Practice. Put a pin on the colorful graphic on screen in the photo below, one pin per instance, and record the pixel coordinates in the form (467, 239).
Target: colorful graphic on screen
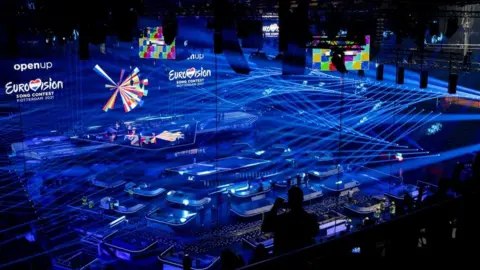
(131, 90)
(152, 45)
(356, 56)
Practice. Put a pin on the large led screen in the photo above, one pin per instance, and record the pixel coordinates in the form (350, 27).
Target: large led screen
(152, 45)
(356, 56)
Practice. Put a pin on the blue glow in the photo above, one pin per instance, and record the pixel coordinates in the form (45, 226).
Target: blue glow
(435, 128)
(419, 162)
(259, 153)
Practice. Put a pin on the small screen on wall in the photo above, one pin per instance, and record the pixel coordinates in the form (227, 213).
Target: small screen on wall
(152, 45)
(356, 56)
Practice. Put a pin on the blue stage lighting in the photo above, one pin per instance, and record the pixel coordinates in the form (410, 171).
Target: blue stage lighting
(259, 153)
(433, 129)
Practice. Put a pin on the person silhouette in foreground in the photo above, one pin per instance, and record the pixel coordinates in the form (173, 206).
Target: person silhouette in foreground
(260, 253)
(294, 229)
(230, 260)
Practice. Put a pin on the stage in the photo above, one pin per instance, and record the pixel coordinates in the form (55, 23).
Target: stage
(186, 156)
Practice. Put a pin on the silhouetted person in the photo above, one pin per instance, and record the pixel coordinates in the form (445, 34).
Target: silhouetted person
(202, 216)
(439, 230)
(230, 260)
(441, 194)
(350, 196)
(259, 254)
(215, 214)
(408, 202)
(299, 179)
(421, 191)
(293, 230)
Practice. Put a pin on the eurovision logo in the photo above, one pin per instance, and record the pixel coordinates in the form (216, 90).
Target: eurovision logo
(189, 77)
(40, 89)
(271, 30)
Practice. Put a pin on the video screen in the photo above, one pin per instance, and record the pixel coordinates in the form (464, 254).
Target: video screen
(270, 29)
(152, 45)
(130, 89)
(356, 56)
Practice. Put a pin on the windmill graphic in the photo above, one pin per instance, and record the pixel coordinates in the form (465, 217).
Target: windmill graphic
(131, 90)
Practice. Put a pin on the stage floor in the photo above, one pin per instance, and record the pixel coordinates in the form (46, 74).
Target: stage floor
(208, 168)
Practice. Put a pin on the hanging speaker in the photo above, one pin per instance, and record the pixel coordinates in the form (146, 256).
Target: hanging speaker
(83, 40)
(400, 75)
(12, 42)
(284, 24)
(424, 79)
(170, 29)
(452, 83)
(294, 61)
(122, 19)
(233, 52)
(361, 73)
(251, 33)
(217, 43)
(452, 27)
(380, 72)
